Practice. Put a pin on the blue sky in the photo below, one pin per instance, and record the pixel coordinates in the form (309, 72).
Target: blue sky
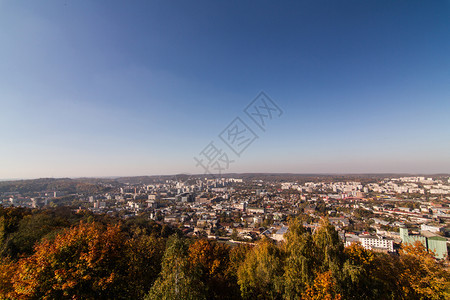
(109, 88)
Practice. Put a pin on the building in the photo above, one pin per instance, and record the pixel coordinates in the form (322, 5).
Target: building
(431, 241)
(350, 238)
(431, 228)
(279, 235)
(172, 218)
(339, 221)
(185, 197)
(374, 242)
(256, 210)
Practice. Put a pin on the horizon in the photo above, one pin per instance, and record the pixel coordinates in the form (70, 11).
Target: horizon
(237, 175)
(95, 89)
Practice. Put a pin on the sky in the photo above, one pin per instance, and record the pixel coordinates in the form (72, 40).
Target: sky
(119, 88)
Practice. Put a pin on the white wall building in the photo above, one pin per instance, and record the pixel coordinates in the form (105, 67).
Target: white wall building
(374, 242)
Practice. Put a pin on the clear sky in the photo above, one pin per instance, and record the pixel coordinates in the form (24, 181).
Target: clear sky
(112, 88)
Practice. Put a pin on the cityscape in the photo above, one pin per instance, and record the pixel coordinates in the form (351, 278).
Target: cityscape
(380, 213)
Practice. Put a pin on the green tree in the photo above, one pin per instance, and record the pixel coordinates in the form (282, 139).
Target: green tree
(358, 280)
(329, 252)
(260, 276)
(144, 255)
(386, 276)
(177, 280)
(300, 262)
(9, 223)
(31, 229)
(237, 255)
(328, 246)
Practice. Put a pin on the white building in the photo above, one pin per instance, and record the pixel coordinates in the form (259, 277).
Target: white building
(430, 228)
(374, 242)
(279, 235)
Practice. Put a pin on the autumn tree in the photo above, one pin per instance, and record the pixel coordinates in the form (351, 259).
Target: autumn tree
(421, 276)
(211, 260)
(85, 261)
(89, 261)
(237, 256)
(329, 250)
(323, 288)
(7, 269)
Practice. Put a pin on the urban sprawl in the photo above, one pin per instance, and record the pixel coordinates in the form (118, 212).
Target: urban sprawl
(379, 213)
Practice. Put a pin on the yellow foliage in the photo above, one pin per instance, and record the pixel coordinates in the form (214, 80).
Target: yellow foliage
(359, 255)
(7, 269)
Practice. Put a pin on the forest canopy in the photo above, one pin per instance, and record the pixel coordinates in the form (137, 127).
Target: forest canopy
(54, 254)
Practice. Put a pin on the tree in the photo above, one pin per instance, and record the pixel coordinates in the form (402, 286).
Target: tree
(177, 280)
(328, 246)
(323, 288)
(7, 269)
(260, 276)
(300, 262)
(358, 280)
(86, 261)
(31, 229)
(9, 223)
(144, 255)
(212, 261)
(329, 251)
(421, 276)
(237, 256)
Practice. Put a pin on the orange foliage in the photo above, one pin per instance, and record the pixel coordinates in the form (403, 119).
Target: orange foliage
(323, 288)
(211, 257)
(421, 276)
(78, 262)
(7, 269)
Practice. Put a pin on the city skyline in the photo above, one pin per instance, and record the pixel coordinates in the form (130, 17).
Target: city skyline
(99, 89)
